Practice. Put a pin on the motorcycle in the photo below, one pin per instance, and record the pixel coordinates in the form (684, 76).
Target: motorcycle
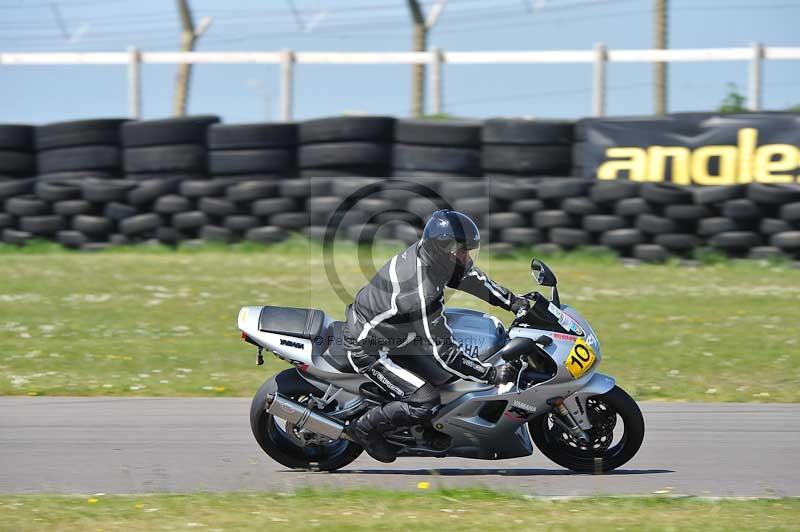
(574, 415)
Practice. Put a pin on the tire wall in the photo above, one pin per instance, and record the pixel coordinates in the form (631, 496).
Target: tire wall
(91, 183)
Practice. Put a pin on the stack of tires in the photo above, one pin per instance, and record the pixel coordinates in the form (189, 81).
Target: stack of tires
(247, 163)
(346, 146)
(519, 147)
(159, 155)
(17, 166)
(447, 149)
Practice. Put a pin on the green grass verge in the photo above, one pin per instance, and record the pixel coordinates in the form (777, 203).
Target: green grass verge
(384, 510)
(156, 322)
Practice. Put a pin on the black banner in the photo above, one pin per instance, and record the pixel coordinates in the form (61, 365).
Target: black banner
(691, 148)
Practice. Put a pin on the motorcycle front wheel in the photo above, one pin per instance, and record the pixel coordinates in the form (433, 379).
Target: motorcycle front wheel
(615, 437)
(293, 448)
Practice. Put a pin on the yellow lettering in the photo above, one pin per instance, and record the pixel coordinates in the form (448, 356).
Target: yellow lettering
(701, 158)
(785, 157)
(748, 140)
(634, 161)
(657, 159)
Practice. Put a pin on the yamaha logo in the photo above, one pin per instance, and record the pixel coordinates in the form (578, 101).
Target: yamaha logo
(290, 343)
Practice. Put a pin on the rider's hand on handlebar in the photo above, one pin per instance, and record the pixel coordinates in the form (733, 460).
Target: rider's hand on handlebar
(520, 306)
(503, 374)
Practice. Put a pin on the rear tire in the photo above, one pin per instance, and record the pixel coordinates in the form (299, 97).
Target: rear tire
(274, 440)
(556, 445)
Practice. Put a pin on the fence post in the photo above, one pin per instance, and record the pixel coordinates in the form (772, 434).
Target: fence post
(754, 78)
(287, 85)
(599, 86)
(134, 83)
(435, 64)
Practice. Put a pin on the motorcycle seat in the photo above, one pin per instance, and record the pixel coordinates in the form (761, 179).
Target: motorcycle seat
(298, 322)
(336, 354)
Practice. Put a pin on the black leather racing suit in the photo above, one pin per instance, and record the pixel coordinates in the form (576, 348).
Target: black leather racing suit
(401, 307)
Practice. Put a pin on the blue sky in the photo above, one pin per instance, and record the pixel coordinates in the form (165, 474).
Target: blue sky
(39, 94)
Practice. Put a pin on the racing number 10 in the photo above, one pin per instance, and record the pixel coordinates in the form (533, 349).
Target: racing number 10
(580, 359)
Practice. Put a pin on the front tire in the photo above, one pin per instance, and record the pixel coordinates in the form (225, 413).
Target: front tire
(605, 452)
(275, 438)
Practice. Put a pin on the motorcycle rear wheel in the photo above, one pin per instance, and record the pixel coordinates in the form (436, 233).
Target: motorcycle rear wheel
(274, 438)
(602, 454)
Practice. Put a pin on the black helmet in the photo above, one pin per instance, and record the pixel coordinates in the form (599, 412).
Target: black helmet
(451, 236)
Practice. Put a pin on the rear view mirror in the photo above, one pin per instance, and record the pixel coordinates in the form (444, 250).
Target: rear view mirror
(543, 275)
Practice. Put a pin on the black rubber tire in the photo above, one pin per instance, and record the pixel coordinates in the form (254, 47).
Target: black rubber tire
(459, 161)
(655, 225)
(172, 204)
(219, 207)
(438, 132)
(79, 158)
(269, 161)
(27, 205)
(741, 209)
(677, 242)
(632, 207)
(482, 207)
(456, 190)
(72, 207)
(708, 195)
(510, 189)
(205, 188)
(766, 253)
(787, 241)
(10, 188)
(249, 191)
(373, 205)
(650, 253)
(240, 223)
(140, 177)
(15, 237)
(526, 160)
(119, 211)
(17, 163)
(347, 128)
(735, 241)
(791, 212)
(251, 136)
(290, 220)
(280, 448)
(348, 186)
(176, 158)
(16, 137)
(7, 221)
(266, 234)
(339, 154)
(346, 171)
(715, 225)
(569, 238)
(169, 235)
(270, 206)
(773, 194)
(183, 130)
(190, 220)
(687, 213)
(526, 131)
(666, 193)
(564, 188)
(631, 416)
(527, 206)
(104, 191)
(600, 223)
(71, 239)
(45, 225)
(504, 220)
(771, 226)
(215, 233)
(579, 206)
(140, 223)
(152, 189)
(611, 191)
(553, 218)
(57, 191)
(526, 236)
(103, 131)
(304, 188)
(96, 226)
(622, 238)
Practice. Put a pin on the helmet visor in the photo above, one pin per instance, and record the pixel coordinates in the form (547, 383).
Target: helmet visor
(466, 254)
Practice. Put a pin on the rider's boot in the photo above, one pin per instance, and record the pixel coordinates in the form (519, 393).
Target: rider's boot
(368, 431)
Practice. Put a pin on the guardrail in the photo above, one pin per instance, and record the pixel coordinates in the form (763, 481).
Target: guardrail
(435, 58)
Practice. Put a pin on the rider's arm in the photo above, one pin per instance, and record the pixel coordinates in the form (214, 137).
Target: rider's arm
(446, 350)
(478, 284)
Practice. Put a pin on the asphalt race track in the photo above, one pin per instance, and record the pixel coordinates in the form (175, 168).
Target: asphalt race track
(122, 445)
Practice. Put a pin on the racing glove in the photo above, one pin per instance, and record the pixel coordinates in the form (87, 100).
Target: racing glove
(503, 374)
(520, 306)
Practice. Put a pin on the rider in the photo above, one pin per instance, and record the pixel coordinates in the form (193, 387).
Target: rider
(403, 304)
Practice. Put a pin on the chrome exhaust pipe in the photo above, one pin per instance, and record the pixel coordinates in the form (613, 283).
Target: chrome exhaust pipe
(303, 417)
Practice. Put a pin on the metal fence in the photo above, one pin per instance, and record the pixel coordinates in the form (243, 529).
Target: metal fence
(598, 57)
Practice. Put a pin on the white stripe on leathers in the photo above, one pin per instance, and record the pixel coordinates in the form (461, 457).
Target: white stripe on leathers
(393, 305)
